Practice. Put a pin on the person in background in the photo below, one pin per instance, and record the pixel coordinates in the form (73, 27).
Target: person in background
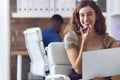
(52, 33)
(86, 32)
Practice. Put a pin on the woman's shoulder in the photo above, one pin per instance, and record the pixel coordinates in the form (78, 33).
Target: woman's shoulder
(108, 40)
(71, 32)
(71, 39)
(107, 37)
(71, 35)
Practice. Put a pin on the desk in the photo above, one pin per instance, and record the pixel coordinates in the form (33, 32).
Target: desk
(19, 55)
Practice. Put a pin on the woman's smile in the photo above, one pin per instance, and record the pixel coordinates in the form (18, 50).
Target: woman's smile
(87, 17)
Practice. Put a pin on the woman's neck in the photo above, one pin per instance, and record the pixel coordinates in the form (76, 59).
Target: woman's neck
(93, 36)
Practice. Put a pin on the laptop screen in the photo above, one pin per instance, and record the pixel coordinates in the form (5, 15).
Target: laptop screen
(101, 63)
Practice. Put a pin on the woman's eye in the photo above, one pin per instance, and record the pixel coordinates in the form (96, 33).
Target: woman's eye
(90, 14)
(81, 15)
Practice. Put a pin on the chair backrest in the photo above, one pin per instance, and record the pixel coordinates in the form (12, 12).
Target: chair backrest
(36, 51)
(58, 60)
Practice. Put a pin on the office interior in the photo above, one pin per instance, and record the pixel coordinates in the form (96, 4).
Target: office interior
(13, 23)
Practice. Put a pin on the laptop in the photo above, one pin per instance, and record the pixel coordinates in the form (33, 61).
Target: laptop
(101, 63)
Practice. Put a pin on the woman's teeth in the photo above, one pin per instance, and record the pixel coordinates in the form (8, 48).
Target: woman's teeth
(86, 27)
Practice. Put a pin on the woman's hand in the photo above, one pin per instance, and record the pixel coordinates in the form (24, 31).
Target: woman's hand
(84, 33)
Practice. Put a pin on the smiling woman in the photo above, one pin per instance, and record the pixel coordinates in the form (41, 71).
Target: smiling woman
(87, 15)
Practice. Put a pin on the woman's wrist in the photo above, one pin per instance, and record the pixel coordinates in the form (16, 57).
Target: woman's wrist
(83, 41)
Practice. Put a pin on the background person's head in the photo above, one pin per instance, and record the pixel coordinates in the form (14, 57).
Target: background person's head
(56, 22)
(99, 24)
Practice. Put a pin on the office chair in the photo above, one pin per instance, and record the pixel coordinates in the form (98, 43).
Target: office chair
(39, 60)
(58, 60)
(36, 51)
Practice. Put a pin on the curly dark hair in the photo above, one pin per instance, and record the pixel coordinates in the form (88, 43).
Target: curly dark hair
(100, 26)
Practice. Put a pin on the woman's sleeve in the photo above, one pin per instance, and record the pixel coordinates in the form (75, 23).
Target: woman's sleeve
(108, 40)
(71, 40)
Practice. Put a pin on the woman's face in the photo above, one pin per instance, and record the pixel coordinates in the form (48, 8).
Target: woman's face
(87, 17)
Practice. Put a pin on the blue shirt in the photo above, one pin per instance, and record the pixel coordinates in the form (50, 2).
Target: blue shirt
(50, 35)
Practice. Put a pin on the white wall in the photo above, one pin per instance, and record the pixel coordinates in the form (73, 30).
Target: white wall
(113, 18)
(4, 40)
